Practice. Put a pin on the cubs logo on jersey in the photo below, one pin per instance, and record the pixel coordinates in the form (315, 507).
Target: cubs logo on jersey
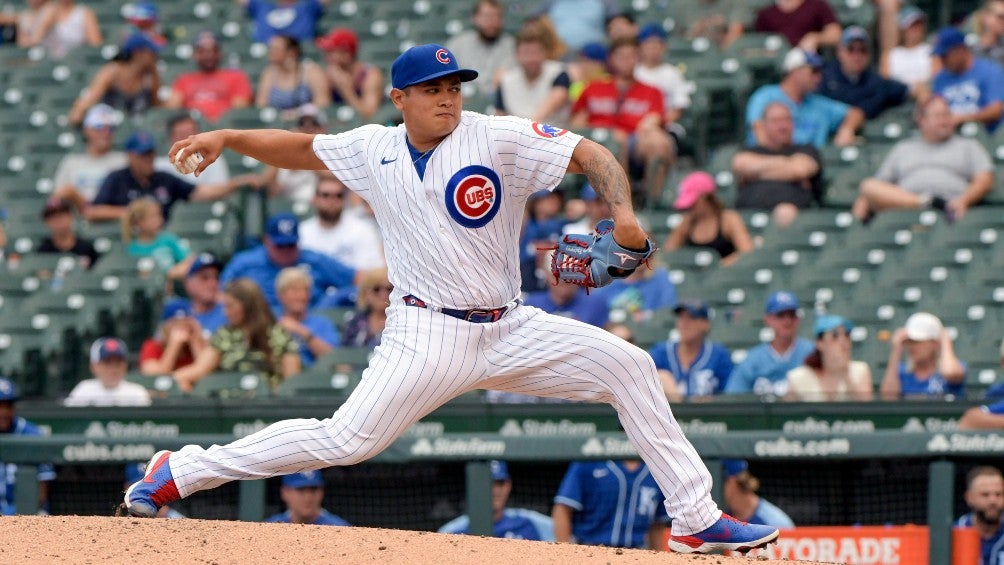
(473, 196)
(547, 130)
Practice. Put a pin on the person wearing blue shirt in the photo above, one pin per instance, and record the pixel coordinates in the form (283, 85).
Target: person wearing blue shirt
(566, 299)
(985, 499)
(292, 18)
(692, 366)
(973, 86)
(11, 423)
(816, 116)
(279, 250)
(544, 226)
(315, 334)
(985, 417)
(202, 286)
(303, 493)
(849, 79)
(765, 369)
(512, 523)
(641, 293)
(742, 501)
(931, 368)
(611, 503)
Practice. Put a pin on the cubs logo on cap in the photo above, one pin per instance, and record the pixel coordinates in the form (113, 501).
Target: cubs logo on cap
(426, 62)
(443, 56)
(547, 130)
(473, 196)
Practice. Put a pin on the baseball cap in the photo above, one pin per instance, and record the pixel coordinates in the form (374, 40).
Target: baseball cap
(339, 38)
(695, 307)
(798, 57)
(136, 42)
(910, 15)
(426, 62)
(853, 33)
(594, 52)
(142, 12)
(948, 38)
(8, 392)
(500, 471)
(692, 187)
(106, 348)
(829, 322)
(56, 205)
(283, 229)
(203, 260)
(781, 301)
(205, 38)
(649, 31)
(733, 467)
(303, 480)
(140, 142)
(100, 116)
(176, 309)
(923, 326)
(309, 110)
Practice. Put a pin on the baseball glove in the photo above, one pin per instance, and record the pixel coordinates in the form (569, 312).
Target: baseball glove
(596, 260)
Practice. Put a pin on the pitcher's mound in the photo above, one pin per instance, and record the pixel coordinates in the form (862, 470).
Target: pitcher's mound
(30, 540)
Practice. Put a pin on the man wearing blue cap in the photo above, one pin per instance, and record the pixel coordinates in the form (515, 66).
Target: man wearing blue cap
(510, 523)
(11, 423)
(448, 189)
(973, 86)
(691, 365)
(850, 79)
(765, 369)
(303, 494)
(202, 291)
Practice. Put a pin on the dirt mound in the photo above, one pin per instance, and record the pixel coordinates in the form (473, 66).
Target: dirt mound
(31, 540)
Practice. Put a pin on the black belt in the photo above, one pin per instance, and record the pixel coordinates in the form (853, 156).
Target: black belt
(477, 316)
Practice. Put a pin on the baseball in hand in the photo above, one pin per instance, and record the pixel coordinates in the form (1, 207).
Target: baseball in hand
(186, 164)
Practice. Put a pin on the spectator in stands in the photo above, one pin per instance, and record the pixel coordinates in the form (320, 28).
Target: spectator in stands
(849, 79)
(108, 387)
(251, 341)
(742, 501)
(641, 293)
(509, 523)
(937, 169)
(303, 494)
(568, 300)
(129, 83)
(931, 367)
(654, 70)
(211, 90)
(816, 117)
(634, 112)
(289, 81)
(591, 492)
(985, 499)
(579, 22)
(973, 86)
(910, 62)
(281, 249)
(202, 286)
(706, 222)
(176, 344)
(180, 127)
(63, 26)
(534, 88)
(24, 22)
(299, 186)
(347, 238)
(316, 335)
(828, 373)
(594, 208)
(765, 369)
(719, 21)
(145, 18)
(487, 48)
(808, 24)
(590, 66)
(63, 239)
(79, 175)
(542, 228)
(367, 324)
(293, 18)
(542, 26)
(692, 366)
(991, 32)
(352, 82)
(985, 417)
(144, 236)
(12, 424)
(140, 179)
(777, 173)
(620, 330)
(621, 25)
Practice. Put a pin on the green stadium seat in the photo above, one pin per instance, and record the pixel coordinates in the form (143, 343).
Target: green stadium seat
(321, 379)
(232, 385)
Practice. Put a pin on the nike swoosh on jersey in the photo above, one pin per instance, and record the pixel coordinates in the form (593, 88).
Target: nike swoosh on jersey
(384, 160)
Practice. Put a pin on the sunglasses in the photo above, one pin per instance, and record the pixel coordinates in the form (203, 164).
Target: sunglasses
(787, 314)
(863, 50)
(835, 333)
(308, 123)
(380, 287)
(333, 195)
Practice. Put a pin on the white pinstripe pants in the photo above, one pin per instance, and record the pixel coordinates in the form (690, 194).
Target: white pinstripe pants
(427, 358)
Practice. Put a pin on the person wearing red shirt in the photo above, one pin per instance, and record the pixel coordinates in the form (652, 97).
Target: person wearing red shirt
(210, 90)
(178, 340)
(633, 111)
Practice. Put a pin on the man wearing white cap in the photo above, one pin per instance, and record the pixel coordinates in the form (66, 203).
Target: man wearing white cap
(931, 367)
(79, 175)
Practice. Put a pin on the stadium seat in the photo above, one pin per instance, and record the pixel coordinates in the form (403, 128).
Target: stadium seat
(321, 379)
(236, 385)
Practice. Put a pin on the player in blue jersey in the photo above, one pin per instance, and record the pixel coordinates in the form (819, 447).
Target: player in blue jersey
(512, 523)
(985, 499)
(11, 423)
(742, 501)
(303, 494)
(692, 366)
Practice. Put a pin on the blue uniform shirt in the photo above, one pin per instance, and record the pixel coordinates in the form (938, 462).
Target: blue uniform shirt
(325, 518)
(764, 371)
(974, 89)
(255, 265)
(515, 523)
(590, 310)
(548, 230)
(298, 21)
(935, 385)
(613, 506)
(323, 329)
(654, 293)
(120, 188)
(871, 92)
(706, 376)
(816, 118)
(996, 408)
(992, 549)
(768, 514)
(210, 321)
(45, 472)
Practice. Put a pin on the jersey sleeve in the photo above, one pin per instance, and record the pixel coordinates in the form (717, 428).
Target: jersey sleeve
(570, 492)
(535, 155)
(345, 155)
(458, 525)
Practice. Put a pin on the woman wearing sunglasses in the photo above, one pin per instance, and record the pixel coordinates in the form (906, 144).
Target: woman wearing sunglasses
(364, 329)
(829, 373)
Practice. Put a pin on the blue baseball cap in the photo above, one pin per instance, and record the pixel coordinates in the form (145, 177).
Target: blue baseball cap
(594, 52)
(140, 142)
(108, 347)
(176, 309)
(305, 479)
(649, 31)
(500, 471)
(426, 62)
(8, 392)
(695, 307)
(733, 467)
(143, 12)
(853, 33)
(138, 41)
(781, 301)
(829, 322)
(948, 38)
(203, 260)
(283, 229)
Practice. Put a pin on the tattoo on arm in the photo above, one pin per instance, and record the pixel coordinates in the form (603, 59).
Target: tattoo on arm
(609, 179)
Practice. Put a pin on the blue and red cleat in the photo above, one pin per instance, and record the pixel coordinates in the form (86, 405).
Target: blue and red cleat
(156, 489)
(727, 534)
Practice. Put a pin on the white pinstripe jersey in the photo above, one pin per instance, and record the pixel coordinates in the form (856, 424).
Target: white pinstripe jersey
(452, 238)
